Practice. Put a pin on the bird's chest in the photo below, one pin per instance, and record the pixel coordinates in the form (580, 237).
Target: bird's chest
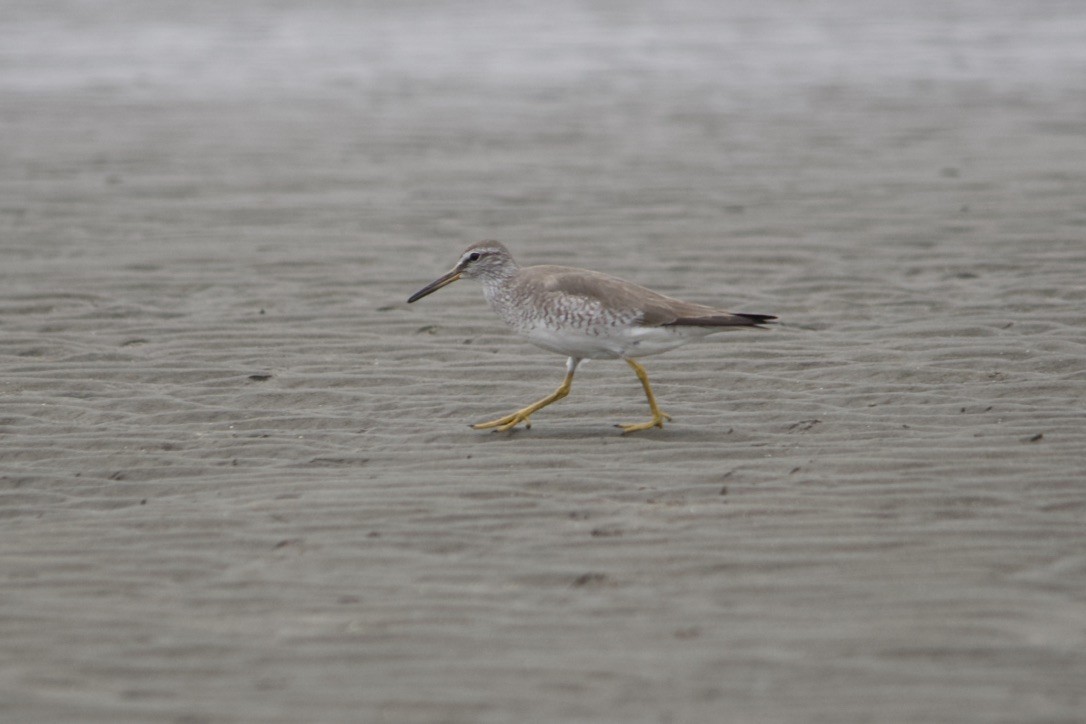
(565, 324)
(528, 309)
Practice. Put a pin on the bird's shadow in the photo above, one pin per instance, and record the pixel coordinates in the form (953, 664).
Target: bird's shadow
(604, 432)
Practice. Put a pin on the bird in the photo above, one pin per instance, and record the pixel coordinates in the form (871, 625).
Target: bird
(585, 314)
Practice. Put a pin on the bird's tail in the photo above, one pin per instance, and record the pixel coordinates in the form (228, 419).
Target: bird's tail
(728, 319)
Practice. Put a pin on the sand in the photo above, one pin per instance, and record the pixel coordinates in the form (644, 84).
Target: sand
(236, 478)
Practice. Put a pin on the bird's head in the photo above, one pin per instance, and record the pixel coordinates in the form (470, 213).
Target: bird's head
(482, 260)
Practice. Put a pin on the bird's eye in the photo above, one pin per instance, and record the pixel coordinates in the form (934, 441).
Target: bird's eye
(473, 256)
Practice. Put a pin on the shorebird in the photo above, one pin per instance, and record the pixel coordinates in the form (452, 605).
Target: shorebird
(584, 315)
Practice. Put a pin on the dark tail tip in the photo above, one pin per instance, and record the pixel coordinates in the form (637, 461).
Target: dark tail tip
(758, 319)
(727, 319)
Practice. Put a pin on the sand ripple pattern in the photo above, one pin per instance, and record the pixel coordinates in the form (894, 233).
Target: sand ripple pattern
(236, 478)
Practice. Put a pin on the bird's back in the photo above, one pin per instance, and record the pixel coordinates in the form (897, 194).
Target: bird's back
(601, 295)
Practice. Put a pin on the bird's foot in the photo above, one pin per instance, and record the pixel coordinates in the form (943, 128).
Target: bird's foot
(656, 421)
(508, 422)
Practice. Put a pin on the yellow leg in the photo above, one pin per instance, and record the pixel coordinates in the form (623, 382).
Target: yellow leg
(510, 421)
(658, 416)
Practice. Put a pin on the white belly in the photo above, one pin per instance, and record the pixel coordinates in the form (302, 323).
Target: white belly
(626, 342)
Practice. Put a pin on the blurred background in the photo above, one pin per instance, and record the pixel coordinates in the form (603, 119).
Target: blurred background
(654, 123)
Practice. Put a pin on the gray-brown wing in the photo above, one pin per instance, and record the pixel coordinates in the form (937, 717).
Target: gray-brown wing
(655, 309)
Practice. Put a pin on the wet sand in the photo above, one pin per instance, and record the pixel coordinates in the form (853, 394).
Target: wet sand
(236, 478)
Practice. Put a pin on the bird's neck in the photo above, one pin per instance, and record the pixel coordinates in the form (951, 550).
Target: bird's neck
(501, 293)
(497, 286)
(500, 278)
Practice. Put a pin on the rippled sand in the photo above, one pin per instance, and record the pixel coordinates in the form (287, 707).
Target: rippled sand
(236, 477)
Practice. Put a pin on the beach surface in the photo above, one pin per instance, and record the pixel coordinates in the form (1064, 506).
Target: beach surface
(237, 482)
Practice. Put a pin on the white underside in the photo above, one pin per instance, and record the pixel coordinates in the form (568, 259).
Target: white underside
(626, 343)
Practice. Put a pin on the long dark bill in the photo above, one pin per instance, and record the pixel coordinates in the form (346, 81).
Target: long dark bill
(443, 280)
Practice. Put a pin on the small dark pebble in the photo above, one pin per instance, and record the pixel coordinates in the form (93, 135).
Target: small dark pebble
(588, 579)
